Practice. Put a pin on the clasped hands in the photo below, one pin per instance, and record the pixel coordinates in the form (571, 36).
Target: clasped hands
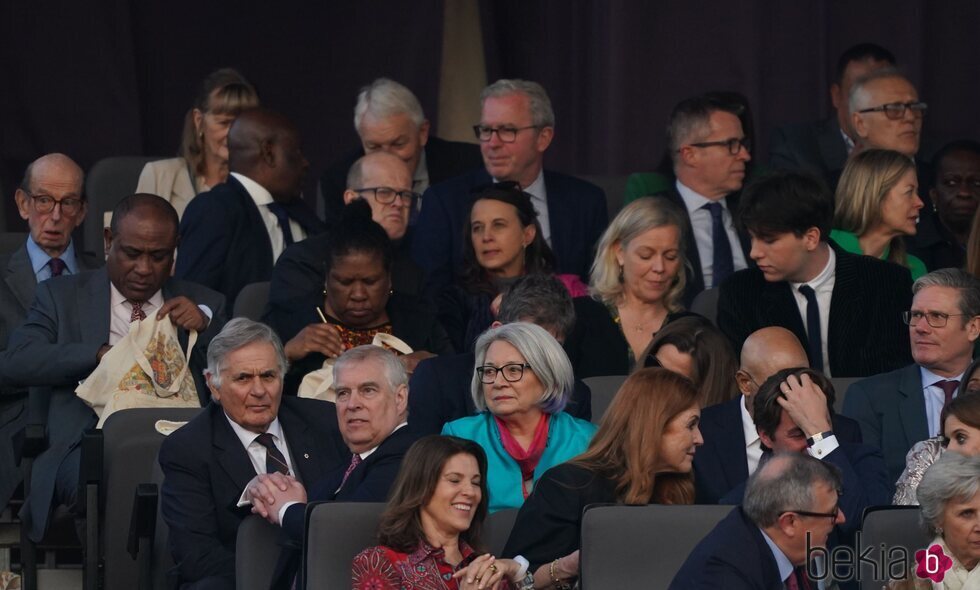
(486, 572)
(269, 492)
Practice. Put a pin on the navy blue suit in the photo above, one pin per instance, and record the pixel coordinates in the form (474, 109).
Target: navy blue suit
(576, 210)
(733, 556)
(439, 392)
(720, 464)
(224, 243)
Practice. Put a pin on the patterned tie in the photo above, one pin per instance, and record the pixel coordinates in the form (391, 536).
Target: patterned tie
(722, 263)
(279, 210)
(58, 266)
(138, 313)
(814, 346)
(274, 460)
(355, 460)
(949, 388)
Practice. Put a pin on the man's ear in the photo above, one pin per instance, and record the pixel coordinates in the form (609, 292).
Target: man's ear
(811, 238)
(766, 439)
(744, 382)
(857, 121)
(215, 392)
(401, 399)
(973, 328)
(267, 153)
(22, 200)
(423, 134)
(545, 136)
(107, 239)
(835, 95)
(349, 196)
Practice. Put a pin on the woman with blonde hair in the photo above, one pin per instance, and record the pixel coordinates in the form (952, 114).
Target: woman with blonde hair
(202, 160)
(877, 205)
(641, 454)
(637, 283)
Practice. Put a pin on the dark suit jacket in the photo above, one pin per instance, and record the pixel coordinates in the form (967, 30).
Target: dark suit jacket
(891, 410)
(443, 159)
(935, 245)
(440, 392)
(224, 243)
(206, 469)
(576, 210)
(817, 148)
(370, 481)
(720, 464)
(866, 335)
(56, 347)
(733, 556)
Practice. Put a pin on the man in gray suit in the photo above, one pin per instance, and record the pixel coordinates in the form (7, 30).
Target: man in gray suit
(50, 200)
(898, 409)
(74, 320)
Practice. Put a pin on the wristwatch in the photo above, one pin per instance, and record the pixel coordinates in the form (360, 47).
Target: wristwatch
(818, 437)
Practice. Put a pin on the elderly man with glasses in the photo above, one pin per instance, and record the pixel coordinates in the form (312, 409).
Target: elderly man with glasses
(517, 125)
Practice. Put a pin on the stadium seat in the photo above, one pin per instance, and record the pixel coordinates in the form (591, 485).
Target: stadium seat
(603, 390)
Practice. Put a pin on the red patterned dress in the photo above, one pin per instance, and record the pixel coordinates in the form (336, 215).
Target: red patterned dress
(381, 568)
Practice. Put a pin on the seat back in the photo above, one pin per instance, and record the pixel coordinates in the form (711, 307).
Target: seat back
(10, 242)
(706, 303)
(162, 562)
(840, 388)
(603, 391)
(641, 546)
(335, 533)
(256, 553)
(614, 187)
(109, 180)
(888, 527)
(251, 301)
(497, 529)
(130, 451)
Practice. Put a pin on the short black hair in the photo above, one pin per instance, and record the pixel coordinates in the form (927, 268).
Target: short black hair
(861, 52)
(356, 231)
(957, 145)
(138, 201)
(766, 411)
(782, 202)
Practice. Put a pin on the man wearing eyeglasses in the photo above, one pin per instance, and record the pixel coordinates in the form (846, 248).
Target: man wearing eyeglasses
(517, 125)
(900, 408)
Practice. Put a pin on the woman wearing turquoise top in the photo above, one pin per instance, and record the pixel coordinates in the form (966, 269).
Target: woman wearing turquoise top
(521, 382)
(877, 205)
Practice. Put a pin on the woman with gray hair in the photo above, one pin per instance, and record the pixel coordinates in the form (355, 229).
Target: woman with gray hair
(949, 496)
(522, 381)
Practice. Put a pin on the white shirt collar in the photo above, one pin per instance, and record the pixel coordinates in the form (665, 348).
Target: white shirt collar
(368, 452)
(782, 562)
(748, 426)
(255, 190)
(117, 298)
(248, 437)
(825, 275)
(929, 378)
(693, 200)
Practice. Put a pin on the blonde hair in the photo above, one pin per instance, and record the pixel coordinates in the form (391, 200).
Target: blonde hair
(867, 179)
(636, 218)
(232, 95)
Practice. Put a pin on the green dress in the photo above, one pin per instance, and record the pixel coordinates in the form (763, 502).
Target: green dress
(849, 241)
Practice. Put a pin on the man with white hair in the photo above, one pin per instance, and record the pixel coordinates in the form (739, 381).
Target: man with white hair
(389, 118)
(517, 124)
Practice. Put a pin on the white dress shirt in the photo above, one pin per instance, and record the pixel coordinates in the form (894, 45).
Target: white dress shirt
(701, 223)
(262, 199)
(823, 287)
(753, 444)
(257, 453)
(935, 398)
(121, 310)
(539, 198)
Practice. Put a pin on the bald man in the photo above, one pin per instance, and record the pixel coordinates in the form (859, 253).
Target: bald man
(232, 235)
(732, 448)
(50, 199)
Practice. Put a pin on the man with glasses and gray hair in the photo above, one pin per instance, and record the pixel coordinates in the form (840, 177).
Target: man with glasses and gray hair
(517, 125)
(900, 408)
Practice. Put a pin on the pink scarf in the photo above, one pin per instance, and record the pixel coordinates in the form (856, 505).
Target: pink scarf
(526, 460)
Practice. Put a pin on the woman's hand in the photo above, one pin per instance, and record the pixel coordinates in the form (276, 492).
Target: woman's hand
(486, 572)
(322, 338)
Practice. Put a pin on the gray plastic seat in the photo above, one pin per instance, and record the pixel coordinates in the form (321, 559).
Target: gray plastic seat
(603, 391)
(251, 301)
(891, 527)
(335, 533)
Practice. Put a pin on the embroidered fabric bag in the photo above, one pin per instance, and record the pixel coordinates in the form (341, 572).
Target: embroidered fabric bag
(319, 384)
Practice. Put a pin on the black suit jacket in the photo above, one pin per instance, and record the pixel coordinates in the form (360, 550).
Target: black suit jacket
(733, 556)
(720, 464)
(443, 160)
(206, 469)
(56, 347)
(440, 392)
(866, 335)
(224, 243)
(816, 148)
(935, 245)
(576, 210)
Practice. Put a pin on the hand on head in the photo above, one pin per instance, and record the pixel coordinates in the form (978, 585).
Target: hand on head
(805, 403)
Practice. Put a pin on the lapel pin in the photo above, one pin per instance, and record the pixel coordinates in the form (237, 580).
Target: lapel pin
(306, 455)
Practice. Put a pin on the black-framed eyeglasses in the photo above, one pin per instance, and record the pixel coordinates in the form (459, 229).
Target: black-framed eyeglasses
(386, 195)
(831, 515)
(896, 110)
(935, 319)
(505, 134)
(734, 144)
(511, 371)
(46, 204)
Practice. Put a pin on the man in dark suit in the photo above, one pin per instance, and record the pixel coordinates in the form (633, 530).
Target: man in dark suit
(249, 428)
(372, 408)
(388, 118)
(299, 274)
(709, 151)
(232, 235)
(821, 147)
(442, 386)
(900, 408)
(845, 309)
(765, 542)
(731, 454)
(76, 319)
(516, 127)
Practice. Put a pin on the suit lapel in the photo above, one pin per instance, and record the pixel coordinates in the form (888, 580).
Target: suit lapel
(845, 310)
(20, 277)
(229, 452)
(696, 276)
(94, 306)
(558, 216)
(734, 463)
(783, 311)
(254, 220)
(302, 448)
(912, 406)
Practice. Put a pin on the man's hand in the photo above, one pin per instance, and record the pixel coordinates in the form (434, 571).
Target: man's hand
(269, 491)
(322, 338)
(412, 360)
(184, 313)
(103, 350)
(806, 404)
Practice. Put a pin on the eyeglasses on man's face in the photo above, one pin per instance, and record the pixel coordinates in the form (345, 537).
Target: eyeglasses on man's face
(935, 319)
(832, 515)
(734, 144)
(896, 110)
(46, 204)
(511, 372)
(506, 133)
(386, 195)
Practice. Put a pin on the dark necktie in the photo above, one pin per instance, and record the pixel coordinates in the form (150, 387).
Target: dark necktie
(279, 210)
(722, 263)
(949, 388)
(274, 461)
(355, 460)
(58, 266)
(138, 314)
(814, 347)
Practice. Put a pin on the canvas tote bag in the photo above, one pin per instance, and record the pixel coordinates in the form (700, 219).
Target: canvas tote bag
(319, 383)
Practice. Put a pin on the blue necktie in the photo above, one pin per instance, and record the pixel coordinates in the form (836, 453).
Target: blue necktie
(814, 347)
(58, 266)
(722, 263)
(279, 210)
